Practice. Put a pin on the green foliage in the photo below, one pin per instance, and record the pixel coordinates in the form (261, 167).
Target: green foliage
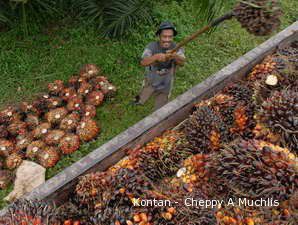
(208, 9)
(116, 17)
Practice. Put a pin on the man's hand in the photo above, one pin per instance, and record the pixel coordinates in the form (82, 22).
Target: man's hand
(160, 57)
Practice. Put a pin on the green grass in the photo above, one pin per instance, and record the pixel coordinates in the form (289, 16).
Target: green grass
(26, 66)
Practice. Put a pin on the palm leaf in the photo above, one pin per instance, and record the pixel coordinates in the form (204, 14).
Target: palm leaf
(121, 16)
(208, 9)
(91, 9)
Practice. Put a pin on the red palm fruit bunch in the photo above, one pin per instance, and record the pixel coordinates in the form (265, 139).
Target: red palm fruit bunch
(263, 69)
(75, 104)
(8, 114)
(6, 177)
(95, 98)
(262, 133)
(92, 188)
(70, 122)
(3, 131)
(26, 107)
(194, 173)
(87, 129)
(71, 214)
(27, 212)
(161, 157)
(53, 137)
(68, 93)
(22, 141)
(56, 115)
(56, 87)
(98, 82)
(279, 113)
(13, 161)
(32, 121)
(69, 143)
(88, 111)
(41, 130)
(48, 157)
(258, 17)
(42, 103)
(17, 127)
(84, 89)
(89, 70)
(54, 102)
(108, 89)
(7, 147)
(205, 131)
(255, 169)
(73, 81)
(34, 148)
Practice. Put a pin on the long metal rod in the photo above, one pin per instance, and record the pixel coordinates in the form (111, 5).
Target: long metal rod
(214, 23)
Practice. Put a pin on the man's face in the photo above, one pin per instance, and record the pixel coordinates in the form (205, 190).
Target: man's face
(166, 38)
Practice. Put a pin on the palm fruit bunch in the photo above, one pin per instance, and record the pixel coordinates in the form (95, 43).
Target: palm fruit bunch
(242, 109)
(256, 169)
(73, 81)
(259, 17)
(205, 130)
(92, 190)
(162, 156)
(68, 93)
(71, 214)
(3, 131)
(27, 212)
(87, 129)
(54, 102)
(84, 89)
(48, 157)
(279, 113)
(13, 161)
(107, 89)
(17, 127)
(56, 87)
(70, 122)
(56, 115)
(7, 147)
(32, 121)
(34, 148)
(53, 137)
(41, 130)
(8, 114)
(262, 133)
(194, 173)
(27, 108)
(89, 70)
(41, 103)
(95, 98)
(261, 70)
(69, 143)
(88, 111)
(22, 141)
(98, 81)
(6, 177)
(75, 104)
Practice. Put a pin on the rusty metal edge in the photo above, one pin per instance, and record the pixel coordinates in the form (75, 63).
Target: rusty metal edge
(238, 67)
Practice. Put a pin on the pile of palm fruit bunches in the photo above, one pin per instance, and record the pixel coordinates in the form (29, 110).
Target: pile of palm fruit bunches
(56, 123)
(240, 144)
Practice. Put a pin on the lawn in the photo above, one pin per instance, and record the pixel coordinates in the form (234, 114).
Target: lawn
(27, 65)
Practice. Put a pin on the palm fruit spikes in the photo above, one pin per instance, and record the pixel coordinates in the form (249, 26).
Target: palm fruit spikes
(13, 161)
(26, 212)
(69, 143)
(56, 115)
(259, 17)
(279, 113)
(255, 169)
(161, 157)
(205, 131)
(70, 122)
(48, 157)
(34, 148)
(41, 130)
(53, 137)
(89, 70)
(87, 129)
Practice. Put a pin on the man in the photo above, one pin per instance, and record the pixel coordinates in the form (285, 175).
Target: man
(160, 66)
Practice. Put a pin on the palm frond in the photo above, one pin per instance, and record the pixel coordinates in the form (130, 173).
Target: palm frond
(90, 9)
(122, 15)
(208, 9)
